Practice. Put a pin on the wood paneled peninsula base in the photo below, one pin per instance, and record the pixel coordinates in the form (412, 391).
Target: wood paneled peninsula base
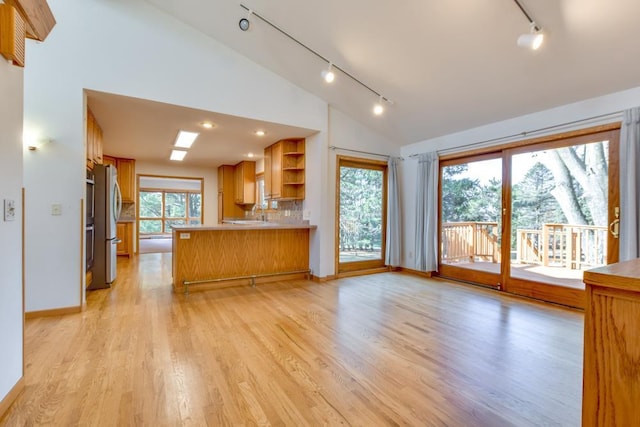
(206, 257)
(611, 387)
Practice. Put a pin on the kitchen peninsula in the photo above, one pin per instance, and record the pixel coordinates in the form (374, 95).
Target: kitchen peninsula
(254, 250)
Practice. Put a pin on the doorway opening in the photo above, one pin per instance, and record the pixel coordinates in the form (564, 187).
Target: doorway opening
(164, 201)
(361, 214)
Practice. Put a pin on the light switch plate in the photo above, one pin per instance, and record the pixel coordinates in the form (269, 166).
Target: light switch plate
(9, 210)
(56, 209)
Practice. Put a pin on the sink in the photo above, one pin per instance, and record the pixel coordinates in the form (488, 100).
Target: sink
(246, 222)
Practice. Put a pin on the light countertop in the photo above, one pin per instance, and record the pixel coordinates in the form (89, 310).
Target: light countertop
(245, 226)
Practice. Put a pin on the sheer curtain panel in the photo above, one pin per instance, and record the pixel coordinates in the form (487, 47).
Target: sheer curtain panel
(427, 212)
(394, 229)
(629, 185)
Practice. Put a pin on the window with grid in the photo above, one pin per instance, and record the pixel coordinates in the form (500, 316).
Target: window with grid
(160, 209)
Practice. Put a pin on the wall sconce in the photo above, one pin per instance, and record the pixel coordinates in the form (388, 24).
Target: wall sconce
(38, 144)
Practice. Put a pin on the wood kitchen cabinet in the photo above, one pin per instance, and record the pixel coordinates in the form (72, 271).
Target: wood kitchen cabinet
(267, 173)
(227, 207)
(126, 176)
(108, 160)
(126, 179)
(611, 380)
(124, 232)
(93, 141)
(287, 170)
(245, 183)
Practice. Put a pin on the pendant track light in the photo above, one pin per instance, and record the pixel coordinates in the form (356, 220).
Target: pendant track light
(245, 23)
(534, 38)
(329, 74)
(378, 108)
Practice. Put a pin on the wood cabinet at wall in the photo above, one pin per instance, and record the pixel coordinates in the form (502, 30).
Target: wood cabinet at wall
(287, 170)
(126, 176)
(611, 379)
(93, 141)
(267, 173)
(108, 160)
(126, 179)
(245, 183)
(124, 232)
(227, 207)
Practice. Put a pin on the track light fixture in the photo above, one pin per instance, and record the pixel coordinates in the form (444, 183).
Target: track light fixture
(329, 74)
(245, 23)
(378, 108)
(532, 40)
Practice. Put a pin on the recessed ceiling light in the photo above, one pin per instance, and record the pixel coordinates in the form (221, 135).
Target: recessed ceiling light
(260, 132)
(207, 125)
(177, 155)
(250, 155)
(185, 139)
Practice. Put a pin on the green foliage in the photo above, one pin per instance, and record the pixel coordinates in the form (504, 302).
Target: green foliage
(176, 207)
(360, 208)
(465, 199)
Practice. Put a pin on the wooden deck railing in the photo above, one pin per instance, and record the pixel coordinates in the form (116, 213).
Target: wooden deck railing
(557, 245)
(470, 242)
(563, 245)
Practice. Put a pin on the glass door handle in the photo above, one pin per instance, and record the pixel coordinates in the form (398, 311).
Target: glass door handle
(614, 228)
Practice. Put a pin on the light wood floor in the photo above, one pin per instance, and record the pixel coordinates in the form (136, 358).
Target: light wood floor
(386, 349)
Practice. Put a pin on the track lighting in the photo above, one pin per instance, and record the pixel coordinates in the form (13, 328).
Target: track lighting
(378, 108)
(245, 23)
(328, 75)
(532, 40)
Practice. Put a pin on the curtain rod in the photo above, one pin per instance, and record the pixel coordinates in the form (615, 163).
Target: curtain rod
(523, 134)
(333, 147)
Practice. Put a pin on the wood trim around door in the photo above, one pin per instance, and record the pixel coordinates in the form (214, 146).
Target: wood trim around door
(363, 163)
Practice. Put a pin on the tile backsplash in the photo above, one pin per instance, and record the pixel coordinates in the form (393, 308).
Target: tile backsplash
(128, 211)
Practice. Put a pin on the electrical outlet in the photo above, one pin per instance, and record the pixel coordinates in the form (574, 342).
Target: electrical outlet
(9, 210)
(185, 235)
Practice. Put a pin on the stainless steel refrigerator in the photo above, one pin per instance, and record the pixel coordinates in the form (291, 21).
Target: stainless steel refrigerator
(108, 205)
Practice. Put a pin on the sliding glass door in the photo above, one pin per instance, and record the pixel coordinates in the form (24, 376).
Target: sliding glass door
(471, 220)
(564, 196)
(361, 212)
(530, 219)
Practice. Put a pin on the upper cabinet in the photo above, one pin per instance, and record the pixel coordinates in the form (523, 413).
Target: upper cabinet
(126, 169)
(94, 141)
(287, 170)
(227, 207)
(245, 183)
(126, 179)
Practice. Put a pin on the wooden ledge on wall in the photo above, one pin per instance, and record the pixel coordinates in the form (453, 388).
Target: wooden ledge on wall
(37, 15)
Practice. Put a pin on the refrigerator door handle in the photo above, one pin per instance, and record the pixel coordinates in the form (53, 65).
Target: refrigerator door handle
(117, 202)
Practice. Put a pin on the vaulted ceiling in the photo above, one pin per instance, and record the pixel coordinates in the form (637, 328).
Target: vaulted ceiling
(447, 65)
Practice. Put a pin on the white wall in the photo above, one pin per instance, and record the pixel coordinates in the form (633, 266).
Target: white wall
(11, 152)
(345, 132)
(127, 48)
(562, 119)
(210, 183)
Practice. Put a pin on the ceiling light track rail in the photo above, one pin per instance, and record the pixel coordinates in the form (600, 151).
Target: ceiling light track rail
(526, 14)
(312, 51)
